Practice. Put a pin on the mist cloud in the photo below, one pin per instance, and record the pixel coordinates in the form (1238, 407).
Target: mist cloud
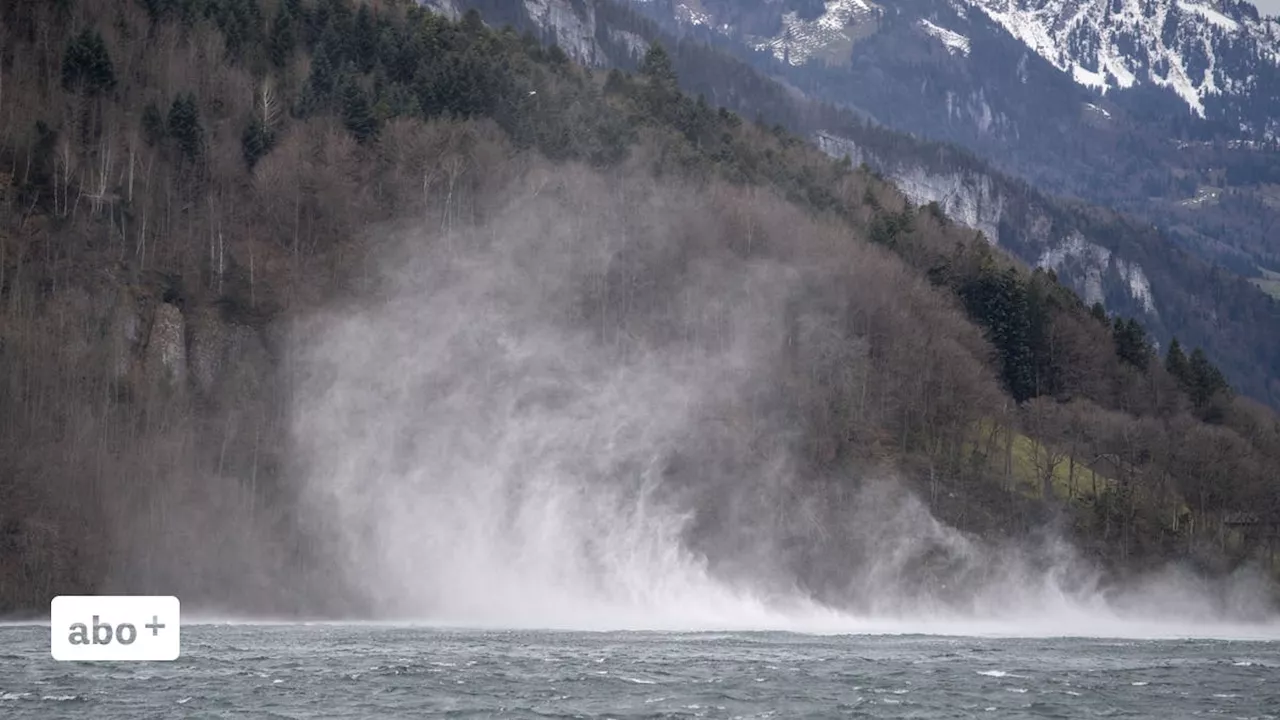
(595, 410)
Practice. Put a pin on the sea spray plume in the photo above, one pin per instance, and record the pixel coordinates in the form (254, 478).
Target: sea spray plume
(909, 564)
(494, 462)
(603, 409)
(1178, 591)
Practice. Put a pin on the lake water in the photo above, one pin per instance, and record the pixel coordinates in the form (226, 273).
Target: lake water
(361, 671)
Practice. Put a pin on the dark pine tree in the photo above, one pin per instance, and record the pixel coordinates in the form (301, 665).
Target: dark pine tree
(86, 65)
(153, 130)
(256, 141)
(364, 42)
(1175, 362)
(240, 22)
(283, 38)
(1099, 313)
(1042, 306)
(318, 92)
(1131, 342)
(357, 113)
(998, 302)
(1205, 381)
(184, 126)
(662, 90)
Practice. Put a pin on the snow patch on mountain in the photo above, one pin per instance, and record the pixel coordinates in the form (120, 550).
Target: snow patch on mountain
(1211, 15)
(1106, 44)
(802, 40)
(692, 14)
(447, 8)
(954, 41)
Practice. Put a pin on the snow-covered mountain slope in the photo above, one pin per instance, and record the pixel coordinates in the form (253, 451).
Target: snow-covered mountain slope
(828, 36)
(1219, 58)
(954, 41)
(1196, 48)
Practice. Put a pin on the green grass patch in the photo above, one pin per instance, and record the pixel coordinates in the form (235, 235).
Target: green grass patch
(1081, 484)
(1030, 461)
(1026, 473)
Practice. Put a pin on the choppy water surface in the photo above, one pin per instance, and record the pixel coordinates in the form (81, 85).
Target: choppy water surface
(345, 671)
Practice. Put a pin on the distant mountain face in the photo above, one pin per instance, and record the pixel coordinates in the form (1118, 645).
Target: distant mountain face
(1168, 110)
(1218, 60)
(957, 76)
(1218, 57)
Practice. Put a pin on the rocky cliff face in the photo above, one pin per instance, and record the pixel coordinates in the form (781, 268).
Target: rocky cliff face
(968, 198)
(166, 351)
(975, 200)
(1097, 270)
(154, 346)
(571, 24)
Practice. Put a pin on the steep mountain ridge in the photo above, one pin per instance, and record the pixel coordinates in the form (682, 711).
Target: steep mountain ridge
(1220, 57)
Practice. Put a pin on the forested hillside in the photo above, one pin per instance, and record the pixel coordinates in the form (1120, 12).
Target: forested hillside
(183, 182)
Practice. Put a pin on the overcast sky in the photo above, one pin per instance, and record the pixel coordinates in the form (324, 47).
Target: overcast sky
(1268, 7)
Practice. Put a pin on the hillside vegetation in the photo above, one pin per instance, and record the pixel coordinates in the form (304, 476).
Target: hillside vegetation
(182, 180)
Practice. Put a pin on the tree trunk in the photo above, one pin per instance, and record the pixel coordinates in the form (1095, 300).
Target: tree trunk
(1071, 474)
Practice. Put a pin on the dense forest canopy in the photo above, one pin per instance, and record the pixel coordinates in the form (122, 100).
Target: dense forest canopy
(181, 181)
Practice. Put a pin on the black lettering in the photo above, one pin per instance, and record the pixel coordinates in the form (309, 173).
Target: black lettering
(132, 632)
(79, 634)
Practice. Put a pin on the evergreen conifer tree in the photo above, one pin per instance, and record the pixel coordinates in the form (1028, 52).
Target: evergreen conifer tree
(357, 113)
(1175, 362)
(283, 38)
(184, 126)
(86, 65)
